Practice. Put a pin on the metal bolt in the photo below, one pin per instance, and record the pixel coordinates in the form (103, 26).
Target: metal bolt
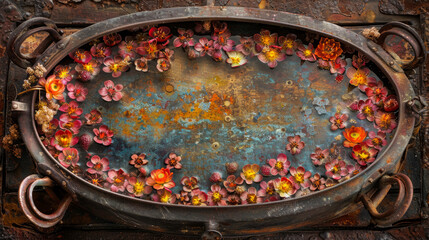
(228, 119)
(370, 180)
(215, 145)
(374, 49)
(15, 106)
(169, 88)
(64, 183)
(61, 46)
(49, 172)
(381, 170)
(391, 63)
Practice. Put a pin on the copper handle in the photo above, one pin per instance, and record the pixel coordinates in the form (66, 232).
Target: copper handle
(25, 30)
(395, 211)
(25, 195)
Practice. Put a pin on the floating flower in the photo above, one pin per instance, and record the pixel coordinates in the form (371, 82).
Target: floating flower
(338, 66)
(118, 180)
(189, 183)
(288, 43)
(182, 198)
(338, 121)
(222, 41)
(376, 93)
(173, 161)
(279, 166)
(96, 179)
(323, 64)
(328, 49)
(358, 76)
(204, 46)
(112, 39)
(267, 188)
(295, 144)
(353, 135)
(306, 53)
(69, 157)
(71, 109)
(164, 196)
(103, 135)
(110, 91)
(251, 196)
(359, 60)
(161, 34)
(301, 176)
(264, 40)
(353, 170)
(141, 64)
(317, 182)
(233, 199)
(161, 178)
(54, 87)
(336, 169)
(217, 56)
(87, 71)
(149, 49)
(250, 173)
(319, 156)
(115, 65)
(49, 128)
(77, 92)
(184, 39)
(236, 59)
(97, 165)
(137, 186)
(80, 56)
(127, 48)
(376, 141)
(246, 46)
(366, 110)
(163, 64)
(266, 170)
(63, 73)
(215, 177)
(364, 154)
(232, 182)
(63, 139)
(71, 125)
(271, 56)
(231, 167)
(390, 103)
(100, 51)
(285, 187)
(94, 117)
(138, 160)
(198, 198)
(217, 196)
(385, 122)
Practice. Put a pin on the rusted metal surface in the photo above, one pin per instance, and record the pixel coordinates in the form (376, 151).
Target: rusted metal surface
(403, 7)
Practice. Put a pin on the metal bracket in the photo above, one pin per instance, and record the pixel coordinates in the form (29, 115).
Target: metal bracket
(19, 106)
(379, 51)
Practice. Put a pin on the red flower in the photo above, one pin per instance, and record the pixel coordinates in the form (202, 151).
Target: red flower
(173, 161)
(279, 166)
(336, 169)
(295, 144)
(264, 40)
(189, 183)
(54, 87)
(77, 92)
(204, 46)
(118, 179)
(306, 53)
(93, 117)
(100, 51)
(301, 176)
(328, 49)
(232, 182)
(338, 121)
(288, 43)
(103, 135)
(112, 39)
(81, 56)
(72, 109)
(137, 186)
(69, 157)
(116, 65)
(198, 198)
(138, 160)
(161, 34)
(319, 156)
(271, 56)
(354, 135)
(286, 187)
(184, 39)
(385, 122)
(390, 103)
(376, 141)
(97, 165)
(63, 139)
(110, 91)
(364, 154)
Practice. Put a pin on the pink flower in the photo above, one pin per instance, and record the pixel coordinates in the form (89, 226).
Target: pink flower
(385, 122)
(359, 60)
(96, 179)
(112, 39)
(127, 48)
(198, 198)
(222, 41)
(184, 39)
(141, 64)
(163, 64)
(359, 77)
(103, 135)
(63, 73)
(301, 176)
(364, 154)
(376, 93)
(339, 66)
(100, 51)
(234, 199)
(69, 156)
(115, 65)
(173, 161)
(319, 156)
(97, 165)
(336, 169)
(251, 196)
(264, 40)
(137, 186)
(94, 117)
(118, 180)
(390, 103)
(279, 166)
(110, 91)
(72, 109)
(189, 183)
(285, 187)
(149, 49)
(217, 196)
(267, 188)
(338, 121)
(317, 182)
(232, 182)
(306, 53)
(138, 160)
(71, 125)
(204, 46)
(161, 34)
(288, 43)
(295, 144)
(246, 46)
(182, 198)
(366, 110)
(271, 56)
(251, 174)
(77, 92)
(88, 70)
(80, 56)
(323, 64)
(63, 139)
(165, 196)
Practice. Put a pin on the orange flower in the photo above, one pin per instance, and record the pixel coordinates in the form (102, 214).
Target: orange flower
(54, 87)
(328, 49)
(161, 178)
(353, 135)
